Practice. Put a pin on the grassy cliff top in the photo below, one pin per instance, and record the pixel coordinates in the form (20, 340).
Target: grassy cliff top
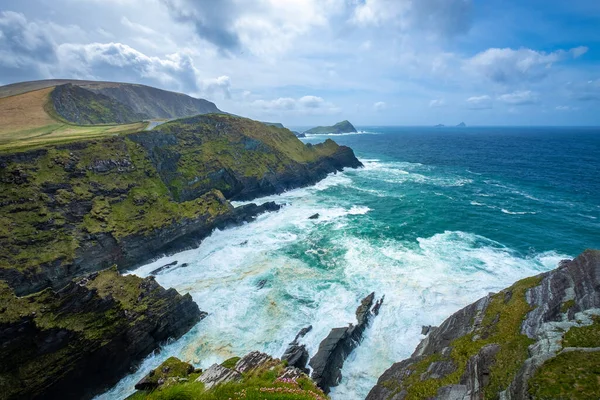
(28, 120)
(341, 127)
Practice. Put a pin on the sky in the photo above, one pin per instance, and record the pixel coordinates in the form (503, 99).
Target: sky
(308, 62)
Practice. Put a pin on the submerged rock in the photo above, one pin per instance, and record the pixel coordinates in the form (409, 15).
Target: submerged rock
(336, 347)
(164, 267)
(532, 340)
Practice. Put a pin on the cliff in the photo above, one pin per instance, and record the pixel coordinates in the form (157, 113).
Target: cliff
(77, 342)
(72, 209)
(538, 339)
(340, 127)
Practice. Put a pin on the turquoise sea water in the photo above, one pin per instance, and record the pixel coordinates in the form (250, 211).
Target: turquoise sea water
(435, 220)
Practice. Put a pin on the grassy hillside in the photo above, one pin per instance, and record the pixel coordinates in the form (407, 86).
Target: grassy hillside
(84, 107)
(28, 121)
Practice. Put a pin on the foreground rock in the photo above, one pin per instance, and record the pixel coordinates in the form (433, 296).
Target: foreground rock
(336, 347)
(79, 341)
(256, 375)
(296, 355)
(72, 209)
(538, 339)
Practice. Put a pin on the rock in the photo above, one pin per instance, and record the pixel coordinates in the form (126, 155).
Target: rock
(314, 216)
(296, 354)
(261, 284)
(125, 319)
(425, 329)
(172, 369)
(164, 267)
(254, 360)
(340, 342)
(217, 374)
(378, 305)
(461, 125)
(545, 309)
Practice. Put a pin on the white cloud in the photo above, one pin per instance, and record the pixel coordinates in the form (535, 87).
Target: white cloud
(519, 98)
(304, 105)
(220, 85)
(508, 66)
(479, 102)
(437, 103)
(442, 17)
(380, 106)
(139, 28)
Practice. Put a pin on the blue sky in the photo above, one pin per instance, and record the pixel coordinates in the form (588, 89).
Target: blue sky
(305, 62)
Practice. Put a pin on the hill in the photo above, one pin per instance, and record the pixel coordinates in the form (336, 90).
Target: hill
(340, 127)
(59, 111)
(152, 102)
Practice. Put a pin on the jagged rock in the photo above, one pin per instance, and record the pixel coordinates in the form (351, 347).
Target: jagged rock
(261, 284)
(296, 354)
(253, 360)
(217, 374)
(124, 318)
(556, 302)
(172, 369)
(164, 267)
(340, 342)
(314, 216)
(425, 329)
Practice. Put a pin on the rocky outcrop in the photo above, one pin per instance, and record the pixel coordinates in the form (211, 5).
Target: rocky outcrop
(169, 372)
(336, 347)
(296, 355)
(532, 340)
(79, 341)
(256, 375)
(340, 127)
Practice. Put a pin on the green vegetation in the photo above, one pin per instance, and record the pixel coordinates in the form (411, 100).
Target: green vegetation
(583, 336)
(501, 325)
(263, 383)
(570, 375)
(340, 127)
(81, 106)
(566, 306)
(230, 362)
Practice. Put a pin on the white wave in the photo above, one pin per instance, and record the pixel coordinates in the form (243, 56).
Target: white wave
(505, 211)
(474, 203)
(312, 135)
(358, 210)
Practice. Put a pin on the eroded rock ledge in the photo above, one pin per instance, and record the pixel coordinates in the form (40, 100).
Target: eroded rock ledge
(77, 342)
(537, 339)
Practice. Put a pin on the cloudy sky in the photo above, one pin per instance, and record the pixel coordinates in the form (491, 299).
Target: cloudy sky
(304, 62)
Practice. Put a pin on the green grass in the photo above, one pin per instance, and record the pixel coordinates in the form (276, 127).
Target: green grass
(570, 375)
(583, 336)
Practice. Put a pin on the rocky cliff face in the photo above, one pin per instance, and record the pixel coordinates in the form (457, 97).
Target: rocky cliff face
(538, 339)
(81, 207)
(76, 342)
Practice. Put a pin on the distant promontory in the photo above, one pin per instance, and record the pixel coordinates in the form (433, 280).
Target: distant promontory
(340, 127)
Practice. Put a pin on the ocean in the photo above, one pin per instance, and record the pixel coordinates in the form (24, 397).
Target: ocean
(435, 220)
